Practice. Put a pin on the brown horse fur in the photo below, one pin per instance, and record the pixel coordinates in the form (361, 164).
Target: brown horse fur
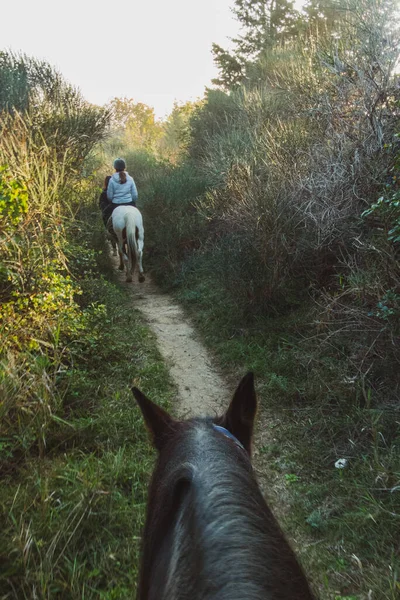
(209, 534)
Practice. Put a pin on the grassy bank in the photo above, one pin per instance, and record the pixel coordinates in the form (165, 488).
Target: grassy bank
(71, 518)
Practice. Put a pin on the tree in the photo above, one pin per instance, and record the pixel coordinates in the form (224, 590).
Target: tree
(231, 69)
(264, 24)
(177, 130)
(267, 24)
(136, 121)
(52, 110)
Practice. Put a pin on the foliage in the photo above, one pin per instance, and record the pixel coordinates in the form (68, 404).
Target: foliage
(387, 209)
(177, 131)
(54, 112)
(27, 82)
(385, 212)
(135, 121)
(173, 229)
(230, 67)
(13, 199)
(40, 315)
(266, 154)
(266, 25)
(39, 310)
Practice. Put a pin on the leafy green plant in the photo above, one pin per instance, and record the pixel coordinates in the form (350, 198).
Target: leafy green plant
(388, 308)
(13, 198)
(291, 478)
(387, 210)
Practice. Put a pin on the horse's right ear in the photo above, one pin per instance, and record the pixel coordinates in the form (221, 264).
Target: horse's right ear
(239, 418)
(158, 421)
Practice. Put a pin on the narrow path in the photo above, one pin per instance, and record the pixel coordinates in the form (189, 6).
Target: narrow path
(201, 390)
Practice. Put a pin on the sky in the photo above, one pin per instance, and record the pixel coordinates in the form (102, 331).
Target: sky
(154, 51)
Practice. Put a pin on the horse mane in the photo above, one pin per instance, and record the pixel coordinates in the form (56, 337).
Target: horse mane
(210, 528)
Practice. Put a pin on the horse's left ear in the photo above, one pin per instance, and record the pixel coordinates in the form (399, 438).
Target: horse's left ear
(239, 418)
(158, 421)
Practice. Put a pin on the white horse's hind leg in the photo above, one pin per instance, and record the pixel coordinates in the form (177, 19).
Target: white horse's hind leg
(130, 263)
(121, 259)
(129, 267)
(140, 243)
(120, 246)
(141, 273)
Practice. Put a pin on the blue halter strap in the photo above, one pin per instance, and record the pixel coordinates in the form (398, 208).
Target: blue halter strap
(228, 434)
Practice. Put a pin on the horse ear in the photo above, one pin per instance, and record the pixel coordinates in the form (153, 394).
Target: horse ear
(158, 421)
(239, 418)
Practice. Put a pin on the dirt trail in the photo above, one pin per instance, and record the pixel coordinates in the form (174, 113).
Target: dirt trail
(201, 390)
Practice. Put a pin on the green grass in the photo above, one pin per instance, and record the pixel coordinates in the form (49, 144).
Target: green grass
(72, 517)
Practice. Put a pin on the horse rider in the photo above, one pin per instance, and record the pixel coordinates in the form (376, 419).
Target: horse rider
(121, 190)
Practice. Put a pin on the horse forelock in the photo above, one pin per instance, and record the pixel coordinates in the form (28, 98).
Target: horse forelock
(210, 528)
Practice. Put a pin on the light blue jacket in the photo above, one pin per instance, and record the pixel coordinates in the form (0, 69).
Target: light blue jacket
(121, 193)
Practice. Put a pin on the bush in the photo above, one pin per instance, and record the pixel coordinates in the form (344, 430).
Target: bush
(47, 130)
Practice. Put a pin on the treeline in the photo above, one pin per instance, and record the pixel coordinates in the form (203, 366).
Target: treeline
(278, 224)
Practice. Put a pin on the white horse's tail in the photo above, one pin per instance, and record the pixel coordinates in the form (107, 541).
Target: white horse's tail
(130, 224)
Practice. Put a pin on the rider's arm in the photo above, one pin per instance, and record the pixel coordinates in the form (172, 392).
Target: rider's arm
(110, 190)
(134, 191)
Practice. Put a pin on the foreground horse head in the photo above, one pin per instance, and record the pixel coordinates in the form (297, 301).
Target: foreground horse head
(209, 534)
(127, 224)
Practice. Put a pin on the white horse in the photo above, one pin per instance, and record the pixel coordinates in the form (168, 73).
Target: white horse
(127, 223)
